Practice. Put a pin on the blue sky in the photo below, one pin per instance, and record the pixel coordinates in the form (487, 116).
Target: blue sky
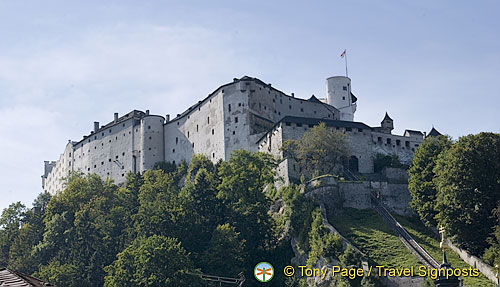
(65, 64)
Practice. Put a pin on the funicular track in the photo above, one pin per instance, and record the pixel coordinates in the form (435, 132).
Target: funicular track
(404, 236)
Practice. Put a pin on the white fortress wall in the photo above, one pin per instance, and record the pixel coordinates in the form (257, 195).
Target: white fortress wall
(151, 149)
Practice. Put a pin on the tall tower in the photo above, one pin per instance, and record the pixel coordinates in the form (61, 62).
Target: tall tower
(338, 91)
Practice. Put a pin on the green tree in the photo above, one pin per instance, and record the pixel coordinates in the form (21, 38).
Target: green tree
(245, 206)
(320, 151)
(31, 233)
(421, 185)
(225, 246)
(11, 221)
(468, 181)
(152, 261)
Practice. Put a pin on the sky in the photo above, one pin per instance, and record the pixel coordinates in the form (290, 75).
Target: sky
(66, 64)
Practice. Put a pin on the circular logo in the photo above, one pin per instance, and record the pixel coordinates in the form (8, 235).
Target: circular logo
(263, 272)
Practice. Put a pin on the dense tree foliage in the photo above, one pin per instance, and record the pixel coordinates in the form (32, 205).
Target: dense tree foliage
(319, 151)
(158, 229)
(421, 185)
(457, 186)
(468, 182)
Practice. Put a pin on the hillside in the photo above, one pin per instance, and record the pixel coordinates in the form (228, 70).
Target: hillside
(367, 231)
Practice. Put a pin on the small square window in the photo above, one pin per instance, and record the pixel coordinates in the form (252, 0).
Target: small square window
(234, 132)
(344, 88)
(173, 150)
(360, 130)
(287, 124)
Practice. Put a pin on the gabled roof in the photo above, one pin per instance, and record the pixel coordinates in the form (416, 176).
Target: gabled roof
(387, 117)
(434, 133)
(413, 132)
(313, 99)
(11, 278)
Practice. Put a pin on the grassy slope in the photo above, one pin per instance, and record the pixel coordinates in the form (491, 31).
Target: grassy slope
(429, 241)
(367, 231)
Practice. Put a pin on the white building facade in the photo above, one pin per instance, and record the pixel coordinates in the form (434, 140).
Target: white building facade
(237, 115)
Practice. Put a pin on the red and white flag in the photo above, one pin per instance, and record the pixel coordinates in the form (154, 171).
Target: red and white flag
(343, 54)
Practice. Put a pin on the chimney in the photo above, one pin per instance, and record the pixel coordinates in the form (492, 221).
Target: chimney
(96, 126)
(116, 117)
(167, 118)
(147, 112)
(293, 95)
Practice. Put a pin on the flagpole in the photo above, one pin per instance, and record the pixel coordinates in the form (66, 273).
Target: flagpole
(346, 74)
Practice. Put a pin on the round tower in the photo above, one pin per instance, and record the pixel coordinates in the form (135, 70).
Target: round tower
(338, 90)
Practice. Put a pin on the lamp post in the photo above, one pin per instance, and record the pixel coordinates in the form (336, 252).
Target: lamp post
(443, 280)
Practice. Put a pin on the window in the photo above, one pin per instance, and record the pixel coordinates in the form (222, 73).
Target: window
(290, 107)
(348, 129)
(287, 124)
(311, 125)
(102, 134)
(360, 130)
(95, 166)
(188, 134)
(281, 101)
(109, 130)
(192, 145)
(213, 131)
(229, 106)
(299, 125)
(123, 153)
(398, 142)
(196, 128)
(176, 140)
(274, 101)
(173, 151)
(102, 163)
(379, 139)
(344, 88)
(260, 106)
(213, 155)
(123, 125)
(149, 148)
(116, 157)
(88, 169)
(388, 141)
(302, 109)
(407, 143)
(149, 137)
(149, 127)
(239, 104)
(343, 98)
(109, 160)
(208, 120)
(234, 132)
(95, 137)
(235, 119)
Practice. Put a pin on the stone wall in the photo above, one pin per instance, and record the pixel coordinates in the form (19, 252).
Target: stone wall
(474, 261)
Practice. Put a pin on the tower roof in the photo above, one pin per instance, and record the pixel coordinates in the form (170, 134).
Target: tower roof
(387, 117)
(434, 133)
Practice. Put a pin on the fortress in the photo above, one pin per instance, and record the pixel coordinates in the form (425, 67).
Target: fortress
(244, 114)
